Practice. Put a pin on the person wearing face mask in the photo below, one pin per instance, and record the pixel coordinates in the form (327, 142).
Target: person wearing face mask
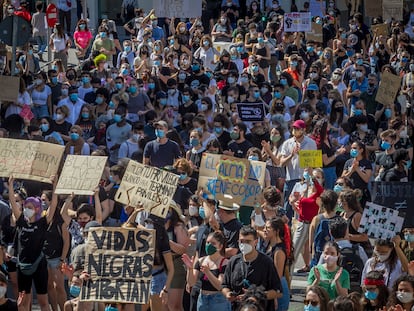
(104, 44)
(368, 96)
(376, 294)
(358, 85)
(138, 102)
(290, 159)
(239, 145)
(315, 76)
(86, 121)
(407, 244)
(74, 291)
(221, 31)
(389, 258)
(250, 267)
(195, 153)
(384, 159)
(5, 303)
(55, 86)
(402, 296)
(41, 96)
(225, 67)
(131, 145)
(76, 145)
(59, 44)
(258, 133)
(31, 227)
(209, 271)
(74, 105)
(333, 278)
(82, 38)
(117, 133)
(401, 168)
(363, 133)
(86, 86)
(402, 141)
(262, 51)
(161, 151)
(316, 298)
(23, 98)
(221, 124)
(206, 52)
(59, 124)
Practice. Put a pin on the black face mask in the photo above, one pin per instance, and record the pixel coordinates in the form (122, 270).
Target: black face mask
(339, 109)
(310, 95)
(71, 77)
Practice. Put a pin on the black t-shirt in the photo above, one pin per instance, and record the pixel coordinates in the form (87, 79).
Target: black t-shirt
(231, 231)
(62, 128)
(162, 244)
(205, 283)
(53, 241)
(56, 92)
(31, 238)
(260, 271)
(240, 150)
(385, 160)
(224, 140)
(329, 151)
(355, 178)
(9, 305)
(256, 140)
(395, 175)
(183, 109)
(116, 212)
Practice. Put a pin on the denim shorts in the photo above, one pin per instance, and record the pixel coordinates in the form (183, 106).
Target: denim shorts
(53, 263)
(158, 282)
(216, 302)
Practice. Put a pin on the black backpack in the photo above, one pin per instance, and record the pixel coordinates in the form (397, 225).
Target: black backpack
(352, 262)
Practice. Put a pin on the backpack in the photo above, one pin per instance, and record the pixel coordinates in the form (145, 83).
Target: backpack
(352, 262)
(322, 235)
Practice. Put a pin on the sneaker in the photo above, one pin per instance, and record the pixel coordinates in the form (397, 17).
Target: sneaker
(305, 269)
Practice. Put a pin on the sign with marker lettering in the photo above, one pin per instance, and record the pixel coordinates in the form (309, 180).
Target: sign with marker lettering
(80, 174)
(32, 160)
(119, 262)
(310, 158)
(149, 186)
(230, 179)
(388, 88)
(395, 195)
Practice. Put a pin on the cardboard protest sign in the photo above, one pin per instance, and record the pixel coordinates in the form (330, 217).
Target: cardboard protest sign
(373, 8)
(177, 8)
(252, 112)
(380, 222)
(316, 33)
(380, 29)
(395, 195)
(120, 263)
(149, 186)
(295, 21)
(388, 88)
(310, 158)
(9, 88)
(80, 174)
(32, 160)
(230, 179)
(392, 9)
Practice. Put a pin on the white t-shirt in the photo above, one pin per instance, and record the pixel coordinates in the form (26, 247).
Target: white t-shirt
(389, 278)
(22, 99)
(59, 43)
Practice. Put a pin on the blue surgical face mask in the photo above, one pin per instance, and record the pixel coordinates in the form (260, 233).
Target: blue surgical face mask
(151, 86)
(309, 307)
(195, 67)
(74, 136)
(349, 53)
(371, 295)
(306, 175)
(278, 94)
(202, 212)
(186, 98)
(159, 133)
(82, 26)
(337, 188)
(119, 86)
(385, 145)
(54, 80)
(132, 89)
(125, 71)
(218, 130)
(102, 34)
(309, 49)
(353, 153)
(256, 95)
(294, 63)
(407, 164)
(110, 308)
(85, 115)
(194, 142)
(253, 158)
(283, 81)
(359, 61)
(231, 80)
(74, 290)
(117, 118)
(182, 76)
(387, 113)
(163, 101)
(85, 80)
(99, 100)
(111, 105)
(44, 127)
(73, 97)
(357, 112)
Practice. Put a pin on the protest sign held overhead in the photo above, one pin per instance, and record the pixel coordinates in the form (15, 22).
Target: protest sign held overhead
(9, 88)
(252, 112)
(392, 9)
(373, 8)
(297, 21)
(315, 34)
(80, 174)
(177, 8)
(380, 222)
(119, 262)
(388, 88)
(223, 177)
(29, 159)
(149, 186)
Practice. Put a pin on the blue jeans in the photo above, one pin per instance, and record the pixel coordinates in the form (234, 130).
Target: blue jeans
(42, 43)
(330, 177)
(40, 111)
(283, 303)
(287, 189)
(216, 302)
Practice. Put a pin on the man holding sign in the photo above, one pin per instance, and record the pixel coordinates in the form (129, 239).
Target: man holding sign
(290, 159)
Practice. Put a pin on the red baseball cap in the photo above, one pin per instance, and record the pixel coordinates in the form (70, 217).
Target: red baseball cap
(300, 124)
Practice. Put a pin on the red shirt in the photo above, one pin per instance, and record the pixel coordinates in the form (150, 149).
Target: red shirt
(23, 13)
(308, 207)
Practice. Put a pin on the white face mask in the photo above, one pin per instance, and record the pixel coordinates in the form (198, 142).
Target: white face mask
(405, 297)
(245, 248)
(383, 258)
(3, 291)
(330, 260)
(28, 213)
(193, 210)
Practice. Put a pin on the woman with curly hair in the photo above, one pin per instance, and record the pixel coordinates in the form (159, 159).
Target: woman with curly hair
(402, 295)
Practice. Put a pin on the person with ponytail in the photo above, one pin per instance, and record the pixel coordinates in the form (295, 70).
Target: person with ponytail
(375, 292)
(210, 271)
(31, 230)
(276, 248)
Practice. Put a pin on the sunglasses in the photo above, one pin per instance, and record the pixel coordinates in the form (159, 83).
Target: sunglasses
(339, 183)
(313, 303)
